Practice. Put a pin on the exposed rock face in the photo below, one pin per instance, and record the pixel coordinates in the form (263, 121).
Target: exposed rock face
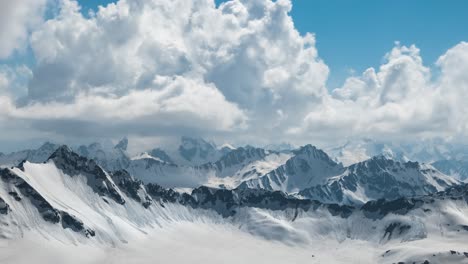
(134, 189)
(72, 164)
(75, 224)
(377, 178)
(45, 209)
(240, 156)
(164, 195)
(308, 167)
(17, 184)
(395, 229)
(4, 207)
(226, 202)
(380, 208)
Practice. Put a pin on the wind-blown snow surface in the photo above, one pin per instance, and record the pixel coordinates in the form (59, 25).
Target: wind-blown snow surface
(172, 233)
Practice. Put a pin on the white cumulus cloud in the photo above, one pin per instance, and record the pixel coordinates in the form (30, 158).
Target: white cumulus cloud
(239, 70)
(17, 19)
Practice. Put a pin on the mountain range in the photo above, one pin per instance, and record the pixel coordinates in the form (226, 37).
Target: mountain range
(96, 196)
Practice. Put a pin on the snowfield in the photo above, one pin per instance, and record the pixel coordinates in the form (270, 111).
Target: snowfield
(201, 242)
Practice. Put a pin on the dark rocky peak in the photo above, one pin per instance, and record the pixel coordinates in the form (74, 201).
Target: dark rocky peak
(382, 163)
(122, 145)
(240, 155)
(160, 154)
(64, 152)
(73, 164)
(163, 195)
(312, 153)
(133, 188)
(122, 175)
(21, 165)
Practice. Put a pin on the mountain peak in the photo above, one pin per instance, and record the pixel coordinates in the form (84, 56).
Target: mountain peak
(313, 152)
(48, 145)
(73, 165)
(160, 154)
(123, 144)
(62, 152)
(197, 150)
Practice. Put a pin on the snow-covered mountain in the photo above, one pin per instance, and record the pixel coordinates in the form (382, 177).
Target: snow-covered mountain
(160, 154)
(34, 155)
(194, 152)
(111, 158)
(243, 164)
(455, 168)
(380, 178)
(307, 167)
(71, 206)
(307, 170)
(229, 171)
(426, 151)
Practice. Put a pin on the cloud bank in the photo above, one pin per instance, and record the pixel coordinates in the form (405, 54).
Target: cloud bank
(239, 70)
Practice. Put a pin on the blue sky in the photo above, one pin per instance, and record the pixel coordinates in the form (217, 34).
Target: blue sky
(354, 35)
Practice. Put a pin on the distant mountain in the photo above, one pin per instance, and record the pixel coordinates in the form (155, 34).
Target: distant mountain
(427, 151)
(281, 147)
(229, 171)
(307, 167)
(308, 171)
(380, 178)
(194, 152)
(110, 158)
(243, 164)
(34, 155)
(455, 168)
(161, 155)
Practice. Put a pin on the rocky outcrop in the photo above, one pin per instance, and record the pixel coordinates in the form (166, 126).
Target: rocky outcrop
(72, 164)
(134, 189)
(45, 209)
